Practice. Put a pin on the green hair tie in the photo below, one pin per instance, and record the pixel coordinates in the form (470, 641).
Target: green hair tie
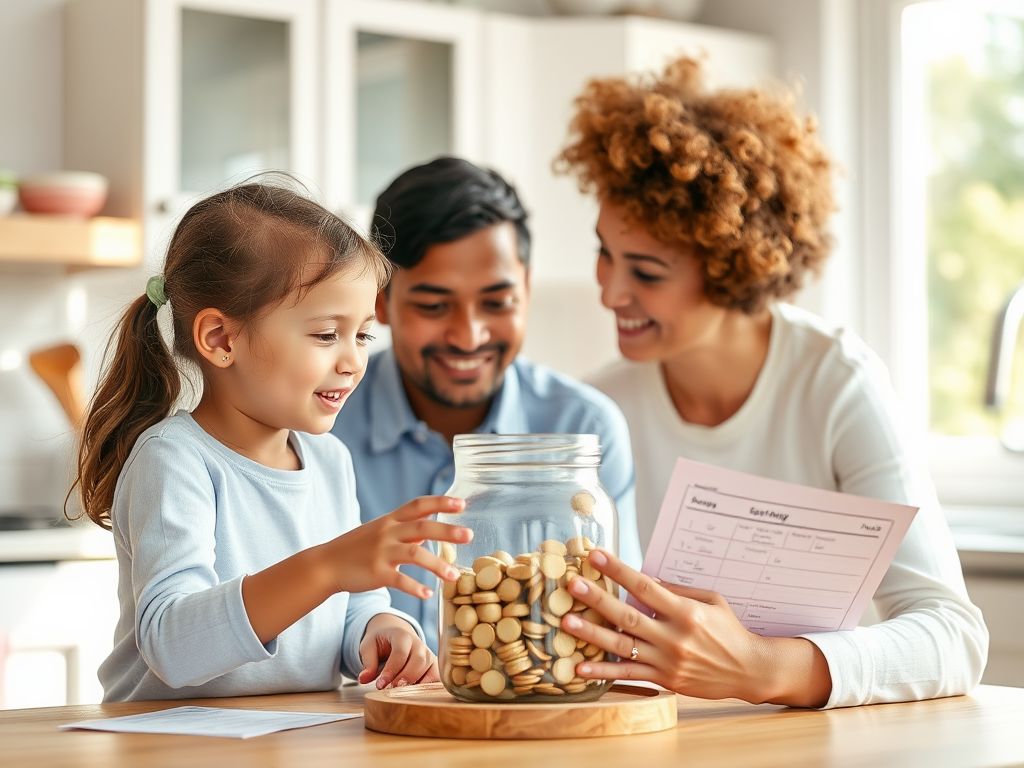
(155, 291)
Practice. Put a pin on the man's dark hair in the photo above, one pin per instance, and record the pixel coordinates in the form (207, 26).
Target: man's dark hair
(445, 200)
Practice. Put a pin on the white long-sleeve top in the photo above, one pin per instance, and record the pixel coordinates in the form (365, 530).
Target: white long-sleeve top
(823, 414)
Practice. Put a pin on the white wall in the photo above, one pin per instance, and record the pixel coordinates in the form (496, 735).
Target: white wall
(40, 306)
(32, 311)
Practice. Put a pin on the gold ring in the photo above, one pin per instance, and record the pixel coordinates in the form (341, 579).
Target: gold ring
(634, 653)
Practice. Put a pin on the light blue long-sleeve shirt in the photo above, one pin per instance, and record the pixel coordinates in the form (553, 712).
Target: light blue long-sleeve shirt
(397, 457)
(190, 519)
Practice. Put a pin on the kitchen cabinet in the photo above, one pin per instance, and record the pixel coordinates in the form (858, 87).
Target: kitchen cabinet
(403, 83)
(68, 241)
(172, 98)
(58, 609)
(1001, 600)
(511, 85)
(169, 99)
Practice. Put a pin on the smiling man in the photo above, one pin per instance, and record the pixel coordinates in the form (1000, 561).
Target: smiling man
(457, 306)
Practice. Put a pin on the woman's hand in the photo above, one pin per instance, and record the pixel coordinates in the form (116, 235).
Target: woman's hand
(368, 557)
(409, 660)
(694, 645)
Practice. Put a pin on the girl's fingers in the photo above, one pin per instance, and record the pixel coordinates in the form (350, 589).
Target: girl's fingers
(414, 554)
(370, 657)
(410, 586)
(424, 530)
(394, 672)
(425, 506)
(640, 586)
(431, 675)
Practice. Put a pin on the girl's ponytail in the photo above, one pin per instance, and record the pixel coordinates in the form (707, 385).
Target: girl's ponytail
(240, 250)
(140, 385)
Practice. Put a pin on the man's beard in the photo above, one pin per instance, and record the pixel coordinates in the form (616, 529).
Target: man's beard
(428, 387)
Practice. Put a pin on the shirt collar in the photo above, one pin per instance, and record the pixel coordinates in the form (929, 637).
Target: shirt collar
(506, 415)
(391, 416)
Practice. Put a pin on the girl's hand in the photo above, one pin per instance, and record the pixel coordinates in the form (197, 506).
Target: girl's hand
(368, 557)
(694, 645)
(409, 660)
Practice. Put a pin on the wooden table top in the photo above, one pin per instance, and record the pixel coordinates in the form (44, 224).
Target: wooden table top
(985, 728)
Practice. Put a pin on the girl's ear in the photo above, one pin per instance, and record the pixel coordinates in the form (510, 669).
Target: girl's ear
(214, 337)
(381, 307)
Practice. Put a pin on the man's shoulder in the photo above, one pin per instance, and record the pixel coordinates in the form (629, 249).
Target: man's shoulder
(574, 399)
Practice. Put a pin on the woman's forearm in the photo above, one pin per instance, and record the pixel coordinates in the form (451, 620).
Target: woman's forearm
(793, 671)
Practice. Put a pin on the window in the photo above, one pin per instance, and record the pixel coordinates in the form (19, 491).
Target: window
(961, 216)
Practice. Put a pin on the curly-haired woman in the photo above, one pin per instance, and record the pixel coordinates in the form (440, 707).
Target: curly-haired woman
(714, 208)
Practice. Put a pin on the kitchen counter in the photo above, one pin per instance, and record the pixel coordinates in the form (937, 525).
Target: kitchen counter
(60, 543)
(990, 540)
(978, 730)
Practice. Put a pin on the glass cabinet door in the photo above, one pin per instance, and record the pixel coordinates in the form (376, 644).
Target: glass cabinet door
(231, 90)
(402, 87)
(403, 108)
(235, 98)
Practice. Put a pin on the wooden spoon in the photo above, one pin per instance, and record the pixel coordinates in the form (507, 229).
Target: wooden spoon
(60, 368)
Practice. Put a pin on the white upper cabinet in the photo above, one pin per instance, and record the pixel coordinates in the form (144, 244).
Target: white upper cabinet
(403, 84)
(537, 67)
(534, 68)
(171, 99)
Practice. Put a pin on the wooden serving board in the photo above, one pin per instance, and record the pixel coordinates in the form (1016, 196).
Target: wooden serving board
(429, 710)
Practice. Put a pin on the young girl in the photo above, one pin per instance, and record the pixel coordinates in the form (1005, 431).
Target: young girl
(714, 207)
(243, 569)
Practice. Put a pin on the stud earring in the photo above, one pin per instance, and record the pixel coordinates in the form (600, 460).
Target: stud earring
(225, 358)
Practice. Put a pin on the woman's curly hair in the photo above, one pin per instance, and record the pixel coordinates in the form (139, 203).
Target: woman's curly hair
(735, 176)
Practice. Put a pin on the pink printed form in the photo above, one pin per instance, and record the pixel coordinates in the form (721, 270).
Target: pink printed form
(789, 559)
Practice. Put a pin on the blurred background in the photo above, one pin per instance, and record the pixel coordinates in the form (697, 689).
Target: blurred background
(117, 113)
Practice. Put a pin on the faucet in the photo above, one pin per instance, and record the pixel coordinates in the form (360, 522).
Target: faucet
(1000, 363)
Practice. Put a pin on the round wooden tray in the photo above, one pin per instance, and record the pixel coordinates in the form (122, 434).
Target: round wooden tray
(429, 710)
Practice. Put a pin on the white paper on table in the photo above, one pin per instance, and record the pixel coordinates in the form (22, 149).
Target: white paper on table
(209, 721)
(789, 559)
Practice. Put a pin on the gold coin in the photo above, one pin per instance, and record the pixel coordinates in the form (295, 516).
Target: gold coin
(582, 503)
(466, 618)
(552, 546)
(483, 635)
(563, 643)
(448, 552)
(489, 577)
(509, 590)
(481, 659)
(489, 612)
(562, 670)
(492, 682)
(509, 629)
(552, 565)
(466, 584)
(560, 602)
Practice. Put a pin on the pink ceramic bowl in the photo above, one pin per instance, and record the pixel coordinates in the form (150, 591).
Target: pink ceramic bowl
(72, 193)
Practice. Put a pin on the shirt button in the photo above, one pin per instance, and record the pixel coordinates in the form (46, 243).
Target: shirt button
(419, 436)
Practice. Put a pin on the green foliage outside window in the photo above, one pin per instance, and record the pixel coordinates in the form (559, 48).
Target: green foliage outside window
(975, 226)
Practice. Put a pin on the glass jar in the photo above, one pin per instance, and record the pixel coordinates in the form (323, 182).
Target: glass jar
(537, 507)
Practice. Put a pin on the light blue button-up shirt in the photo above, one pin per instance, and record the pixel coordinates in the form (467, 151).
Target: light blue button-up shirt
(397, 457)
